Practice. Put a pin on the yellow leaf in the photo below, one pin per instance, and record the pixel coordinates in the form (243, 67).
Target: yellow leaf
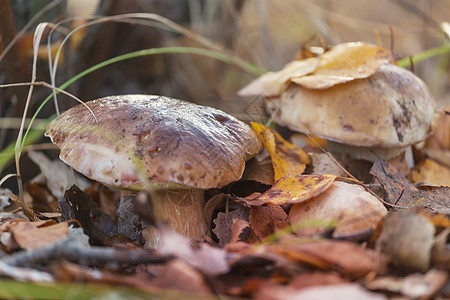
(293, 189)
(287, 158)
(271, 84)
(344, 63)
(431, 172)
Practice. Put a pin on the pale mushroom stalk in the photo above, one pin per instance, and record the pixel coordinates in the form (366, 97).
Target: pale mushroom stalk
(170, 148)
(182, 209)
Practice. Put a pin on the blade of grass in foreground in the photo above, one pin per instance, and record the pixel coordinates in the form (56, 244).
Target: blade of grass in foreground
(10, 289)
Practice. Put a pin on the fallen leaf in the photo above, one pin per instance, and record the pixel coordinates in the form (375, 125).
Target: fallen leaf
(347, 291)
(224, 223)
(78, 205)
(35, 235)
(356, 211)
(309, 279)
(178, 275)
(431, 172)
(259, 171)
(265, 220)
(322, 164)
(407, 239)
(205, 258)
(348, 259)
(271, 84)
(4, 198)
(414, 286)
(24, 274)
(440, 138)
(398, 191)
(343, 63)
(239, 231)
(292, 189)
(287, 158)
(59, 176)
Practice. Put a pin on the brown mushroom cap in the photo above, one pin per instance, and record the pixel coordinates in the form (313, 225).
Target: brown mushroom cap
(164, 140)
(391, 108)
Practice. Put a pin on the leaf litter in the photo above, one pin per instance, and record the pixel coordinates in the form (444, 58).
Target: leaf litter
(284, 242)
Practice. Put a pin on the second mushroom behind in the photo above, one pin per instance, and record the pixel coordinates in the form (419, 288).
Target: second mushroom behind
(171, 148)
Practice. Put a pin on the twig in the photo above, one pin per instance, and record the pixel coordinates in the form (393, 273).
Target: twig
(69, 249)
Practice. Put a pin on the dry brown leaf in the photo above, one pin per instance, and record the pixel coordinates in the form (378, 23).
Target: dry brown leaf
(178, 275)
(415, 286)
(292, 189)
(265, 220)
(304, 280)
(355, 210)
(348, 259)
(224, 225)
(431, 172)
(322, 164)
(259, 170)
(204, 257)
(441, 134)
(287, 158)
(397, 190)
(407, 238)
(35, 235)
(347, 291)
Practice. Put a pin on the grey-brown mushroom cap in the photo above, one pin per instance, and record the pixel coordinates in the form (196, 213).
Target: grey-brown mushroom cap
(141, 138)
(391, 108)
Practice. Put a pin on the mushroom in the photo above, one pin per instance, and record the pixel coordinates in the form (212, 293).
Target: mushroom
(171, 148)
(382, 114)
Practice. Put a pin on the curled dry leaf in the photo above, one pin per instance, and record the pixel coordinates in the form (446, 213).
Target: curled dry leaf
(415, 286)
(287, 158)
(407, 238)
(36, 235)
(355, 210)
(226, 230)
(348, 259)
(292, 189)
(347, 291)
(205, 258)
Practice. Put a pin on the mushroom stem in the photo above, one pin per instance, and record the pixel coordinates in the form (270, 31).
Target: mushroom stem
(182, 209)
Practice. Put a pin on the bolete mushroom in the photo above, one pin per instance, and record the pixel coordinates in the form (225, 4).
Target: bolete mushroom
(171, 148)
(377, 116)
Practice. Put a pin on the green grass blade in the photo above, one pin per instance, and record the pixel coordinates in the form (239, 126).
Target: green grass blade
(406, 61)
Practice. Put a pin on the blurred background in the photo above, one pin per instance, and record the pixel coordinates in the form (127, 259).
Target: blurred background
(266, 33)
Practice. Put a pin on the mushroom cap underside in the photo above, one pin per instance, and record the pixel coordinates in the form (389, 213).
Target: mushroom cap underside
(391, 108)
(136, 139)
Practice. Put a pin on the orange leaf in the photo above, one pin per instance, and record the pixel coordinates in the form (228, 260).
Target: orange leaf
(293, 189)
(287, 158)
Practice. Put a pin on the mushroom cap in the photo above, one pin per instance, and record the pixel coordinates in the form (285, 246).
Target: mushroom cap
(155, 138)
(391, 108)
